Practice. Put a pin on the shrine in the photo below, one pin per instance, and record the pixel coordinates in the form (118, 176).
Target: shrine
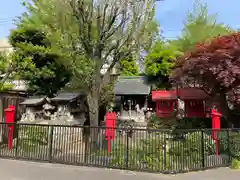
(132, 96)
(190, 100)
(70, 106)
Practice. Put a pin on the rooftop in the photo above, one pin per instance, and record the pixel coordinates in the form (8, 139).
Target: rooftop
(34, 100)
(67, 96)
(183, 93)
(132, 85)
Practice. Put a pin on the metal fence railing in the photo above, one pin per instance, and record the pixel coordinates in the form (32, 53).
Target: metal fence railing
(138, 149)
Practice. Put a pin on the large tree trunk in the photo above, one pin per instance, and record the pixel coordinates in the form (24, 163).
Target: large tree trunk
(93, 110)
(93, 103)
(224, 109)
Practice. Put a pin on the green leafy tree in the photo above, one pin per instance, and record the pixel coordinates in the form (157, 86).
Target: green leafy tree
(199, 27)
(159, 63)
(94, 33)
(129, 67)
(44, 73)
(5, 71)
(10, 66)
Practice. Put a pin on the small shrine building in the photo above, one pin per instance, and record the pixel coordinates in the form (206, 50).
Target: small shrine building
(167, 102)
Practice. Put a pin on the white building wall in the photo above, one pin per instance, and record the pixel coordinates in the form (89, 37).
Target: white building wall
(5, 46)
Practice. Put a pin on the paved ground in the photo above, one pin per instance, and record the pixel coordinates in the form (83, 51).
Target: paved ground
(22, 170)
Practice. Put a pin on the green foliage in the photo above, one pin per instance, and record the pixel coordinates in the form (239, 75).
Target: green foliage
(163, 123)
(174, 123)
(235, 164)
(120, 149)
(199, 27)
(159, 63)
(6, 86)
(128, 67)
(195, 145)
(234, 148)
(147, 155)
(148, 152)
(151, 153)
(90, 34)
(8, 67)
(32, 138)
(107, 96)
(41, 66)
(190, 151)
(4, 61)
(160, 59)
(228, 143)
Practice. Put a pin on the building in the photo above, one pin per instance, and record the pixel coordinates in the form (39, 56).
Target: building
(5, 46)
(132, 97)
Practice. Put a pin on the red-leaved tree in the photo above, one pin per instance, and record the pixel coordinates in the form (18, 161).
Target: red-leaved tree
(215, 67)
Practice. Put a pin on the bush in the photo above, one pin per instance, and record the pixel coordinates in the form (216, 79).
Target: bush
(162, 123)
(229, 144)
(192, 149)
(234, 141)
(174, 123)
(145, 154)
(150, 153)
(31, 138)
(235, 164)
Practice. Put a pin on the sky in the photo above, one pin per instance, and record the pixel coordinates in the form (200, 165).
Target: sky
(170, 14)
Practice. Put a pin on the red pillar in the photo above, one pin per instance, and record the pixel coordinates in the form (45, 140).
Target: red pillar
(110, 128)
(215, 126)
(9, 116)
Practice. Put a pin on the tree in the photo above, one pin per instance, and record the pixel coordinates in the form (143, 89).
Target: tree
(6, 68)
(128, 67)
(159, 63)
(44, 73)
(94, 33)
(214, 66)
(10, 65)
(199, 27)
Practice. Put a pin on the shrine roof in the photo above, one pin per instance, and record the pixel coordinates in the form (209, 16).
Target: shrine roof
(183, 93)
(132, 85)
(65, 96)
(34, 100)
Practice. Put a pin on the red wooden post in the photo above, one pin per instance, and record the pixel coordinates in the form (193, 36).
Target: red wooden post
(9, 116)
(215, 127)
(110, 128)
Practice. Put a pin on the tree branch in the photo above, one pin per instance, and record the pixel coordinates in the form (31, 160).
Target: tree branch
(84, 19)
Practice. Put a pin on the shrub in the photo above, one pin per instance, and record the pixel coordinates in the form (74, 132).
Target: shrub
(192, 149)
(162, 123)
(174, 123)
(146, 154)
(234, 141)
(229, 144)
(31, 138)
(235, 164)
(150, 153)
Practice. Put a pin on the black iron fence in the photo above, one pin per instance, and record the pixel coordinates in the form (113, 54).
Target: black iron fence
(138, 149)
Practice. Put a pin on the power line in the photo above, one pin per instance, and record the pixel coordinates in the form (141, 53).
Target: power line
(7, 23)
(7, 18)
